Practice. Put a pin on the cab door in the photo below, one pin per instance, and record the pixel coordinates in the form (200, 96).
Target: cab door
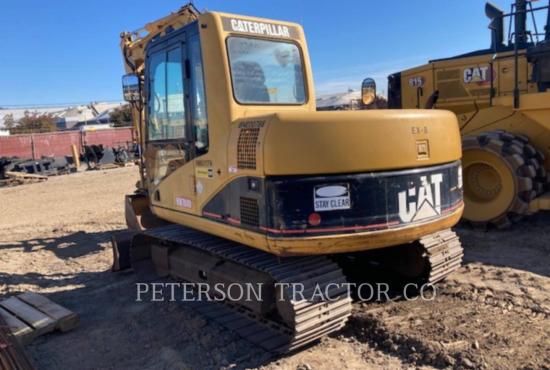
(169, 142)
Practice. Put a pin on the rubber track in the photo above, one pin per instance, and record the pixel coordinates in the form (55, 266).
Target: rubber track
(310, 320)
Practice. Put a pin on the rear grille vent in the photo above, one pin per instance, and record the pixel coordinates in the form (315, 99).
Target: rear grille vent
(246, 148)
(452, 74)
(250, 212)
(451, 89)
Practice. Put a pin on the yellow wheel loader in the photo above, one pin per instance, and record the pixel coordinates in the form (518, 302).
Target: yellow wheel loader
(243, 181)
(500, 95)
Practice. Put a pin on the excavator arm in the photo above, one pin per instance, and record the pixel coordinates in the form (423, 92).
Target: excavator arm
(132, 44)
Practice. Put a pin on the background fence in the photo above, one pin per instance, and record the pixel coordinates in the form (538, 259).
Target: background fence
(59, 143)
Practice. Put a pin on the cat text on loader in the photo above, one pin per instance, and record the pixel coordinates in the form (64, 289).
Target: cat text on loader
(502, 101)
(244, 182)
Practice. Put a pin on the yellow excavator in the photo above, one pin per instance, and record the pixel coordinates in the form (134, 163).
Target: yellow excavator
(501, 97)
(243, 181)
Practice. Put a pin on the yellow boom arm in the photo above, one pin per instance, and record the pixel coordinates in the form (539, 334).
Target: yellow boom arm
(133, 43)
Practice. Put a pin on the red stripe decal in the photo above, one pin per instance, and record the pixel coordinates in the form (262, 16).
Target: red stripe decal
(213, 215)
(328, 229)
(453, 207)
(234, 220)
(349, 228)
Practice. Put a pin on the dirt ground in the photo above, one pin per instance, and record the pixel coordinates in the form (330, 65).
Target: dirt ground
(54, 239)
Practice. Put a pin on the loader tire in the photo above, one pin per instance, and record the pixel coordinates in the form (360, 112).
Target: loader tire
(502, 174)
(534, 157)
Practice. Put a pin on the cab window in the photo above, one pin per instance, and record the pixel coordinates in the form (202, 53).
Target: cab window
(166, 96)
(266, 71)
(198, 96)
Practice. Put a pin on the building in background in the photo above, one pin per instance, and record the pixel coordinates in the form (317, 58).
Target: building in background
(67, 118)
(350, 100)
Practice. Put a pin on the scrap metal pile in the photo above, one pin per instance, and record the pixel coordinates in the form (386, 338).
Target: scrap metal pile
(46, 166)
(17, 171)
(98, 156)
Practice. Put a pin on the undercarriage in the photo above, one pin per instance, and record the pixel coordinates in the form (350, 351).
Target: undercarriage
(297, 300)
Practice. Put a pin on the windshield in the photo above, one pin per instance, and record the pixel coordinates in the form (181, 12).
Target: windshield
(266, 72)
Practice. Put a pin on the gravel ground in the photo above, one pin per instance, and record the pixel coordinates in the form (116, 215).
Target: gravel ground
(54, 239)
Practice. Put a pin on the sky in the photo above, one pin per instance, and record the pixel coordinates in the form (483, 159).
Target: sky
(62, 52)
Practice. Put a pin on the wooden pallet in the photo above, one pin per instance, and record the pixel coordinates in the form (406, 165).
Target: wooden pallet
(20, 178)
(30, 315)
(12, 354)
(24, 175)
(111, 166)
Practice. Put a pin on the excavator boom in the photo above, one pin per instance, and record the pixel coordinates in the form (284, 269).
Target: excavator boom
(133, 43)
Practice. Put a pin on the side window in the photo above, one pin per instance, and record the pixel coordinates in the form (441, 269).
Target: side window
(175, 129)
(157, 96)
(197, 95)
(166, 96)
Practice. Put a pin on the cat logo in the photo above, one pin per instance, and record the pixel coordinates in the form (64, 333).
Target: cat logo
(420, 203)
(480, 75)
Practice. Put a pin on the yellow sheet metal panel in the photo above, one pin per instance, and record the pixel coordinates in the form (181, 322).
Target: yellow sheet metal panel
(359, 141)
(417, 86)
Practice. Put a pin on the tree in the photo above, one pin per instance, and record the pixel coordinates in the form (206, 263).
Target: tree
(9, 122)
(122, 116)
(34, 123)
(381, 102)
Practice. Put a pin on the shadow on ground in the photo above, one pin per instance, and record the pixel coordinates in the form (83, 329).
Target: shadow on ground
(115, 330)
(524, 246)
(72, 245)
